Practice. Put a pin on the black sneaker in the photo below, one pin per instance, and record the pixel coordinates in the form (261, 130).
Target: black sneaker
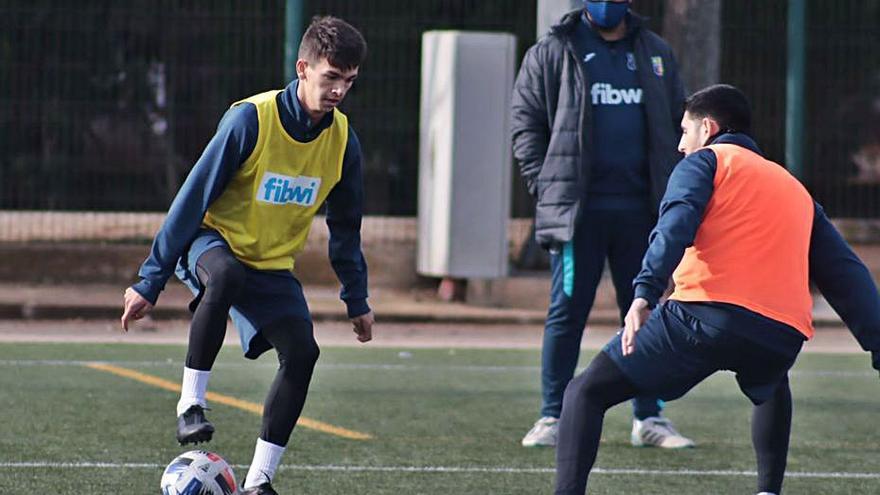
(264, 489)
(193, 427)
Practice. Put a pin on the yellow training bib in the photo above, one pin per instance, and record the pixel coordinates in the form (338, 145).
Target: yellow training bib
(266, 210)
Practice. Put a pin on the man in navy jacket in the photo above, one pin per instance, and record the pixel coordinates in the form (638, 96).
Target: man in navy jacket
(595, 115)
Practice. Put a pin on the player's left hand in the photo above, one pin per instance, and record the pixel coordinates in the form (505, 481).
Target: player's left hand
(363, 326)
(135, 307)
(638, 314)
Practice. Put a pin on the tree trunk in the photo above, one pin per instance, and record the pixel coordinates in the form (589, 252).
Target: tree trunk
(550, 11)
(693, 29)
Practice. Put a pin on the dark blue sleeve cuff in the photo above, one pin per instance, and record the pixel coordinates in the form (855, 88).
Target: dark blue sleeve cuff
(648, 293)
(147, 290)
(357, 307)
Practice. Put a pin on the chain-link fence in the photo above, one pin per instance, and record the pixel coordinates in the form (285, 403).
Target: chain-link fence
(842, 93)
(104, 105)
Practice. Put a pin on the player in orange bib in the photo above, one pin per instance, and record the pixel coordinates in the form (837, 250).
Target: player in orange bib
(744, 239)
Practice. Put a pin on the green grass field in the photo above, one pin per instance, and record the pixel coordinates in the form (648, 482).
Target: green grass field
(443, 422)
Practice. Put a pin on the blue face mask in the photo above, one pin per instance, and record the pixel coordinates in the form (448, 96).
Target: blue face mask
(606, 14)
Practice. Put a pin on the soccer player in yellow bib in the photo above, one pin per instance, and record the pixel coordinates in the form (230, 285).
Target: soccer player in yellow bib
(235, 227)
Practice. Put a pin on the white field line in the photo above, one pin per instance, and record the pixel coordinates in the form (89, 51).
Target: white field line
(338, 366)
(445, 469)
(378, 367)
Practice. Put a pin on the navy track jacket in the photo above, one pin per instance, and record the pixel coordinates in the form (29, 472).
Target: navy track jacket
(835, 269)
(234, 141)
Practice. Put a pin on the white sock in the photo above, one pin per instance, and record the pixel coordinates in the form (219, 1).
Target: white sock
(193, 389)
(266, 458)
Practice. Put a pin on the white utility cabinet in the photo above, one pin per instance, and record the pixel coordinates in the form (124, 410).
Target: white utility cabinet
(464, 153)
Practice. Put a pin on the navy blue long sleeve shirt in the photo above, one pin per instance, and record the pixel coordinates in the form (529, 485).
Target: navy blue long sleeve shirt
(232, 144)
(834, 268)
(619, 176)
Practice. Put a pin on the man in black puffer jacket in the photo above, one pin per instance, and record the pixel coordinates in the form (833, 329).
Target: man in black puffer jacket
(595, 121)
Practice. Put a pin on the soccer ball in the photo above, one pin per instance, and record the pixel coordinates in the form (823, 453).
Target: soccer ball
(198, 473)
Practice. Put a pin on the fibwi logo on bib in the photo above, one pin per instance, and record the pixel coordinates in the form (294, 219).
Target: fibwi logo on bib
(281, 190)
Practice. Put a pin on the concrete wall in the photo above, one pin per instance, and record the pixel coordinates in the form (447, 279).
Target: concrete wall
(391, 264)
(39, 247)
(389, 245)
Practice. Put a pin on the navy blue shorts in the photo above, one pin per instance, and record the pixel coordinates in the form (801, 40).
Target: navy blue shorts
(675, 351)
(268, 296)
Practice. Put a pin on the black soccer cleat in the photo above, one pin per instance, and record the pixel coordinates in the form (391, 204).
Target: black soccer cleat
(264, 489)
(193, 427)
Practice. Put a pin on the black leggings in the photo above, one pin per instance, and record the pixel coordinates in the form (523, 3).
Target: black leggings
(586, 399)
(293, 339)
(222, 277)
(603, 385)
(771, 429)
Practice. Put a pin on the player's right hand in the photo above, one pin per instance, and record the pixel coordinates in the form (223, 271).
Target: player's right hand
(363, 326)
(135, 307)
(637, 315)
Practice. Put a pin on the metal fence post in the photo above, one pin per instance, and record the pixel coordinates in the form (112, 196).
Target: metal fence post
(293, 31)
(794, 88)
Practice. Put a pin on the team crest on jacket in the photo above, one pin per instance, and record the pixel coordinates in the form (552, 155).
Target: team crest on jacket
(657, 65)
(630, 61)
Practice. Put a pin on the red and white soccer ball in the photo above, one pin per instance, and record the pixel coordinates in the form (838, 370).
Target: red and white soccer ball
(198, 472)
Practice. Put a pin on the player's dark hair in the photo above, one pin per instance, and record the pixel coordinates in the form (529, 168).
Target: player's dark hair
(723, 103)
(334, 39)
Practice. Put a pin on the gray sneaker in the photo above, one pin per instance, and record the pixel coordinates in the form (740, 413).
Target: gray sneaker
(657, 431)
(543, 434)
